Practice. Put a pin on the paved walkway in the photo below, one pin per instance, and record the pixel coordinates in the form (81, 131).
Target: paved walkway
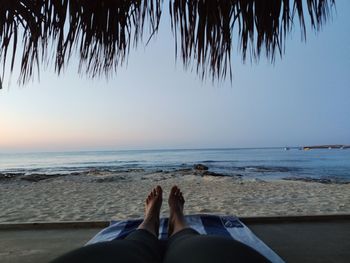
(319, 242)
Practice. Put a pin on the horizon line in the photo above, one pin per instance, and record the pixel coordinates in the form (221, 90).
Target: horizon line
(152, 149)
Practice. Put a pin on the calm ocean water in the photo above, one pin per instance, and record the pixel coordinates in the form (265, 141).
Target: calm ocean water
(250, 163)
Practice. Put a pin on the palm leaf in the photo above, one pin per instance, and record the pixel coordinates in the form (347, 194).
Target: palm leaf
(100, 33)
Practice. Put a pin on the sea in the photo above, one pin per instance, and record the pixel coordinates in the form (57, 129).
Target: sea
(257, 163)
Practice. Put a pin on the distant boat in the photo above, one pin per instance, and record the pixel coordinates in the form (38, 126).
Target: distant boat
(286, 148)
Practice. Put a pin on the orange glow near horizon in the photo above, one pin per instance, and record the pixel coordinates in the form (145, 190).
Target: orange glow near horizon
(28, 133)
(25, 132)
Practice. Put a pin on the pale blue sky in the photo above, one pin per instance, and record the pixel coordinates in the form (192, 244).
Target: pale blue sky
(153, 103)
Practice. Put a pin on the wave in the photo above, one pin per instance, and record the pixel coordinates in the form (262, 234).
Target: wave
(217, 161)
(269, 169)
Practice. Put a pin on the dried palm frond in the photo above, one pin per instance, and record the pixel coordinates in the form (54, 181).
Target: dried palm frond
(207, 28)
(102, 32)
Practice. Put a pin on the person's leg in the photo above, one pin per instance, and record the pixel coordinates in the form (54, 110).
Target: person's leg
(191, 247)
(176, 203)
(142, 245)
(146, 234)
(152, 211)
(186, 245)
(178, 230)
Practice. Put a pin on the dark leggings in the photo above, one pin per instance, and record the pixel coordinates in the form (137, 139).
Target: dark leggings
(185, 246)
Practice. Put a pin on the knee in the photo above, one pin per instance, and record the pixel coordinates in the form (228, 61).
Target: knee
(113, 251)
(212, 249)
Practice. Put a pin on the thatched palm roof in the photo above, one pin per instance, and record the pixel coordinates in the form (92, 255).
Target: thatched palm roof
(101, 32)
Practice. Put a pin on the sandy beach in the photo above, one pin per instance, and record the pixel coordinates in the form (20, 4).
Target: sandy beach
(97, 195)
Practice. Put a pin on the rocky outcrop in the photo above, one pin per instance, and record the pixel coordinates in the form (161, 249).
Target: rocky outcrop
(200, 167)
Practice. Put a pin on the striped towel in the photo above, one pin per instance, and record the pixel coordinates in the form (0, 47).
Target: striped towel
(228, 226)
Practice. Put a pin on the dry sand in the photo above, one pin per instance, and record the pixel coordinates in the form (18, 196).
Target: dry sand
(105, 196)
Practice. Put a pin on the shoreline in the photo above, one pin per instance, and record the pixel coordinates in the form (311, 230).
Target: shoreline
(105, 196)
(197, 170)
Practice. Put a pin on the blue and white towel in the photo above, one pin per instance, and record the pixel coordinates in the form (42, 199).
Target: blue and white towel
(229, 226)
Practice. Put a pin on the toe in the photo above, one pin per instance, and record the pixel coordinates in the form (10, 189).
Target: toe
(159, 190)
(182, 199)
(173, 190)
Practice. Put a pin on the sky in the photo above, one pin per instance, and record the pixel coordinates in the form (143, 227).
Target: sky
(153, 103)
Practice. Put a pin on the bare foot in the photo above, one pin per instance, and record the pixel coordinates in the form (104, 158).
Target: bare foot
(152, 211)
(176, 204)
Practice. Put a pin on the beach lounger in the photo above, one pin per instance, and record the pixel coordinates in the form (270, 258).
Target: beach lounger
(229, 226)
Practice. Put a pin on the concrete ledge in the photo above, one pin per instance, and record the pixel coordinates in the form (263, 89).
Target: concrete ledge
(294, 219)
(54, 225)
(103, 224)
